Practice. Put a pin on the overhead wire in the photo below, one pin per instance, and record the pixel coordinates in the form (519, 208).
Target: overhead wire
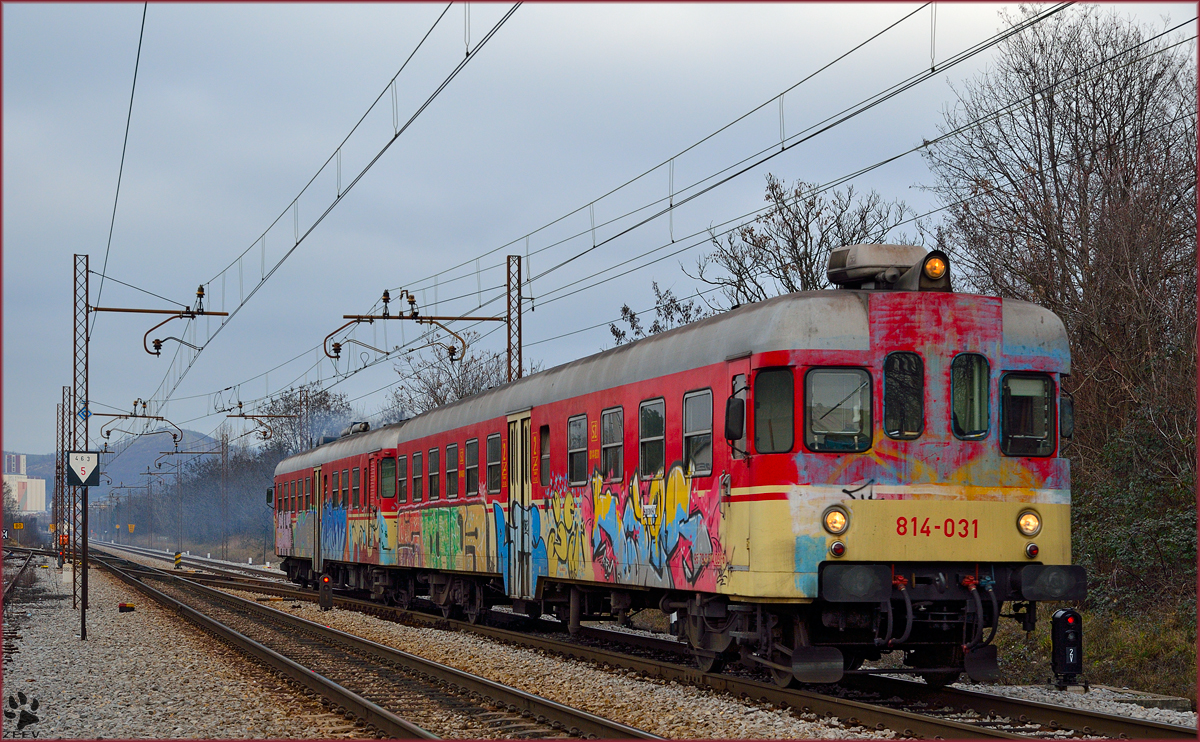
(121, 170)
(341, 195)
(824, 125)
(826, 186)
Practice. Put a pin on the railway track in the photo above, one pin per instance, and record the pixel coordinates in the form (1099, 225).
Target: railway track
(910, 708)
(12, 582)
(371, 682)
(216, 566)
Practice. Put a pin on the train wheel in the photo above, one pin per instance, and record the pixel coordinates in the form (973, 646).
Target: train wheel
(709, 663)
(474, 609)
(947, 656)
(782, 678)
(784, 635)
(402, 596)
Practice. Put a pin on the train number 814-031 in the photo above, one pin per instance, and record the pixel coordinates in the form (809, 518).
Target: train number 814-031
(948, 528)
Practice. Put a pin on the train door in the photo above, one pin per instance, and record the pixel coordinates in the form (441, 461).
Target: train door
(520, 505)
(735, 480)
(318, 502)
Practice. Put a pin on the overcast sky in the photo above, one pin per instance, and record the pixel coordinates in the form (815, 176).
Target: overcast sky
(238, 106)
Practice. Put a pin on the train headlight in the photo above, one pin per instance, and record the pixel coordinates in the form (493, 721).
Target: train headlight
(836, 520)
(935, 268)
(1029, 523)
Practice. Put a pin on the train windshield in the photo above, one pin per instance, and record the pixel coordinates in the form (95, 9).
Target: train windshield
(1027, 402)
(838, 414)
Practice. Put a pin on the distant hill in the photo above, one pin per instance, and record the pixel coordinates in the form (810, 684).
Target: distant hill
(130, 465)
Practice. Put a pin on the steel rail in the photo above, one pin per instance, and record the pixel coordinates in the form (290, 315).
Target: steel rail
(13, 582)
(1019, 710)
(854, 713)
(380, 718)
(576, 721)
(213, 565)
(1046, 714)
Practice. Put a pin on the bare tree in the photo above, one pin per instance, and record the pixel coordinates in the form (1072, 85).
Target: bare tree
(431, 379)
(324, 413)
(1082, 197)
(669, 312)
(787, 248)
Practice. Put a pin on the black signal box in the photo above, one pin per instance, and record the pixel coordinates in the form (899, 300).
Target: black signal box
(325, 593)
(1066, 646)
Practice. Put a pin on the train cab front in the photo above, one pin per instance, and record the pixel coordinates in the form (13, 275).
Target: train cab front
(931, 578)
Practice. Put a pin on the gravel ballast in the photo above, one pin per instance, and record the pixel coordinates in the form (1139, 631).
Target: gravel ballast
(146, 673)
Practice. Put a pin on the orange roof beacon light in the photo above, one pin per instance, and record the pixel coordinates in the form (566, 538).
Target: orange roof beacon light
(935, 267)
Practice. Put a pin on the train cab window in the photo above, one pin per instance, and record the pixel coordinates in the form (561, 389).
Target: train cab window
(837, 410)
(969, 411)
(577, 450)
(402, 478)
(697, 433)
(903, 396)
(418, 493)
(493, 462)
(774, 411)
(387, 478)
(354, 488)
(1027, 415)
(278, 498)
(335, 493)
(612, 444)
(435, 474)
(652, 439)
(471, 469)
(452, 470)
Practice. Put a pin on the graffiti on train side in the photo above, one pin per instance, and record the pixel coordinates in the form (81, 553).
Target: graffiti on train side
(663, 532)
(364, 538)
(565, 538)
(283, 533)
(333, 533)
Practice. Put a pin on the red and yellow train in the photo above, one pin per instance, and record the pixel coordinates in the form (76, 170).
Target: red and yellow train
(804, 483)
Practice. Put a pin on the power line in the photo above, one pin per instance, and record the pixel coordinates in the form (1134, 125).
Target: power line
(866, 105)
(342, 377)
(342, 194)
(120, 171)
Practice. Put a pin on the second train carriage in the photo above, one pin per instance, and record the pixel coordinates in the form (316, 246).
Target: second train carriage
(804, 483)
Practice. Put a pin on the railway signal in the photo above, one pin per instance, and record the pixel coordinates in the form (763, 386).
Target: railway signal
(1066, 647)
(325, 594)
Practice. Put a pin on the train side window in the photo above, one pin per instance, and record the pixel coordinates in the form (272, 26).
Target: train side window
(345, 488)
(612, 444)
(452, 470)
(837, 410)
(697, 433)
(493, 462)
(335, 493)
(292, 500)
(577, 450)
(402, 478)
(969, 409)
(417, 493)
(435, 474)
(472, 467)
(903, 395)
(1027, 415)
(308, 493)
(544, 456)
(652, 438)
(774, 411)
(387, 478)
(354, 490)
(325, 488)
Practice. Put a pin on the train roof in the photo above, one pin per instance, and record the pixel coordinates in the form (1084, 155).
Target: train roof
(804, 320)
